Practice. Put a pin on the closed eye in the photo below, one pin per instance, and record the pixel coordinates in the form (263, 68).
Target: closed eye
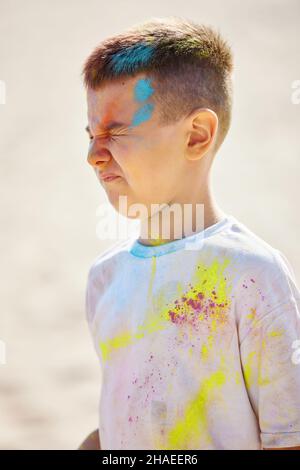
(109, 138)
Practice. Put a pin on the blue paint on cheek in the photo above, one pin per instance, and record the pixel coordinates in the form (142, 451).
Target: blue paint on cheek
(143, 90)
(142, 114)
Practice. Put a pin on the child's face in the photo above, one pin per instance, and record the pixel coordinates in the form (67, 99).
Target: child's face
(147, 157)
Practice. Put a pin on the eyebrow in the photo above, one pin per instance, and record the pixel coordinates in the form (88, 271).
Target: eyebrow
(111, 125)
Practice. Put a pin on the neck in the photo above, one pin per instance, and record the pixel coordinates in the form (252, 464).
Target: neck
(180, 218)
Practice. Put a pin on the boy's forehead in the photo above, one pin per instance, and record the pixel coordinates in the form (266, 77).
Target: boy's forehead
(114, 95)
(118, 99)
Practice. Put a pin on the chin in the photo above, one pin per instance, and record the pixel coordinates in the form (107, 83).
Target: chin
(123, 206)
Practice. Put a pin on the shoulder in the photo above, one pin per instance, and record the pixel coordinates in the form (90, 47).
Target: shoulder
(101, 273)
(251, 254)
(263, 281)
(108, 259)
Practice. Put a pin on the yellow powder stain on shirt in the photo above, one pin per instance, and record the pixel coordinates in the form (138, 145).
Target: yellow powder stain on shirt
(207, 280)
(258, 364)
(253, 317)
(250, 368)
(204, 352)
(191, 430)
(237, 377)
(125, 339)
(207, 347)
(275, 333)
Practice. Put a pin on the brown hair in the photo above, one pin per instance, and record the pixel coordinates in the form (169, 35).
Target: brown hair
(190, 63)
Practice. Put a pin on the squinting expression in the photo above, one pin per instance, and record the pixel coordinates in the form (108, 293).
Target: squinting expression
(126, 140)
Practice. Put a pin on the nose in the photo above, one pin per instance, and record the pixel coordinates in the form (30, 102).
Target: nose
(98, 154)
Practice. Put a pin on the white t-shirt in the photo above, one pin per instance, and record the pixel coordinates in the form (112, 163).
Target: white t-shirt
(198, 342)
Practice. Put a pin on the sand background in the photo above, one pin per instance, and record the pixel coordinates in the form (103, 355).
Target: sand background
(49, 194)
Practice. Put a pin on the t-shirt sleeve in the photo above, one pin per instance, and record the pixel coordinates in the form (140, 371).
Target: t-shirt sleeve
(269, 332)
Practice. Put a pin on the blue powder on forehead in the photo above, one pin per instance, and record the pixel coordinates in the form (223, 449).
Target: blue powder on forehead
(132, 57)
(143, 90)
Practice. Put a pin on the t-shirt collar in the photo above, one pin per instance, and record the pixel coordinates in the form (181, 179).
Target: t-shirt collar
(145, 251)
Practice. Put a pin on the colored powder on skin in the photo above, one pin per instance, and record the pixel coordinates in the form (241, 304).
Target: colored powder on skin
(131, 58)
(143, 90)
(142, 114)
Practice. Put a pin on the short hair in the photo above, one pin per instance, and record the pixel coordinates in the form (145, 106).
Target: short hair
(191, 65)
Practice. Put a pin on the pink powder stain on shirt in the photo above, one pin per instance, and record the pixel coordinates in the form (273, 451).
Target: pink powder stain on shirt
(187, 310)
(130, 419)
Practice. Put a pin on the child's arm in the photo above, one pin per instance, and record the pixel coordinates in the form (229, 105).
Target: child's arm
(91, 442)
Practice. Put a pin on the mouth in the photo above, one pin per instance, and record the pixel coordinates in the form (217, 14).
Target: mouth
(110, 178)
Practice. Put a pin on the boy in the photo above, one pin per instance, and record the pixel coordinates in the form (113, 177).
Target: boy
(198, 335)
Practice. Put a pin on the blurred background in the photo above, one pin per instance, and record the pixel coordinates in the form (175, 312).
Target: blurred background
(49, 385)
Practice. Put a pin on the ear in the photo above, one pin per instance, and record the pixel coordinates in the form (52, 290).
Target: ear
(202, 127)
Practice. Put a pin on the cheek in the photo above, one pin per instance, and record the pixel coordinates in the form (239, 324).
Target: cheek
(148, 163)
(121, 152)
(156, 160)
